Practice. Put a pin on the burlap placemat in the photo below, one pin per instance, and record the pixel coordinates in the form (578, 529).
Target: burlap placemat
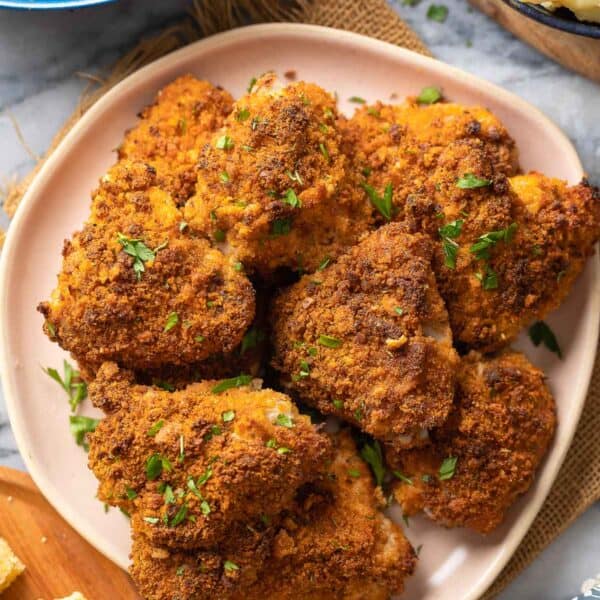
(578, 483)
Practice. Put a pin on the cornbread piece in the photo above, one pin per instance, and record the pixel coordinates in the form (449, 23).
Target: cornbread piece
(367, 339)
(488, 451)
(332, 544)
(137, 289)
(172, 131)
(10, 565)
(402, 145)
(194, 462)
(274, 188)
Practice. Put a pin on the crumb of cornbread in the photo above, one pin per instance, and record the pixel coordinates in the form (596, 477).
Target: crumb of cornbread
(10, 565)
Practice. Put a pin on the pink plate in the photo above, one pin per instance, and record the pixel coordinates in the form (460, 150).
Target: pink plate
(453, 564)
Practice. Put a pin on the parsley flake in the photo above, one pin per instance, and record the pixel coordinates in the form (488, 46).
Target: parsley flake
(155, 428)
(469, 181)
(71, 383)
(447, 468)
(448, 232)
(329, 341)
(429, 95)
(437, 12)
(354, 473)
(139, 251)
(155, 465)
(230, 566)
(172, 320)
(540, 333)
(80, 427)
(399, 475)
(280, 227)
(251, 339)
(382, 203)
(180, 516)
(284, 420)
(228, 416)
(372, 455)
(242, 114)
(357, 100)
(224, 143)
(291, 199)
(481, 248)
(232, 382)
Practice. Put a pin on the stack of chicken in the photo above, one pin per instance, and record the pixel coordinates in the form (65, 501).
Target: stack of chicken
(413, 253)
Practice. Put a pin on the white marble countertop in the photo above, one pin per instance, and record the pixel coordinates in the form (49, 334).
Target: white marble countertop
(41, 54)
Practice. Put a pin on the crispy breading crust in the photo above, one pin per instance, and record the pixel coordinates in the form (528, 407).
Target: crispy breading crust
(172, 131)
(333, 544)
(102, 311)
(500, 430)
(390, 374)
(233, 439)
(273, 185)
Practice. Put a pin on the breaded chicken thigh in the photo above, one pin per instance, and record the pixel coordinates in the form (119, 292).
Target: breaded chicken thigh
(172, 131)
(137, 289)
(274, 188)
(332, 544)
(194, 462)
(367, 339)
(488, 451)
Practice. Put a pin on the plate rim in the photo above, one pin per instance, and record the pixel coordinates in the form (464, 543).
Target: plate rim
(531, 509)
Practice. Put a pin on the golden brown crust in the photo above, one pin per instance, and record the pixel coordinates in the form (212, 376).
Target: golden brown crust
(499, 432)
(332, 544)
(172, 131)
(103, 309)
(273, 185)
(379, 303)
(232, 448)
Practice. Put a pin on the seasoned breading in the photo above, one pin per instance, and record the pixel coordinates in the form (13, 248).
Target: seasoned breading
(332, 544)
(367, 339)
(403, 144)
(274, 188)
(541, 249)
(194, 462)
(172, 131)
(136, 289)
(498, 433)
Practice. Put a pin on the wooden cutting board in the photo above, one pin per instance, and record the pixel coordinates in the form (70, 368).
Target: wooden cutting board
(58, 560)
(575, 52)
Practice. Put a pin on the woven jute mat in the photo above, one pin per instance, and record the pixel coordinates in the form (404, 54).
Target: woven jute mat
(578, 483)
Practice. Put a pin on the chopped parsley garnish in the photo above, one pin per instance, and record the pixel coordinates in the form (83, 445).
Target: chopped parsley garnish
(151, 520)
(139, 251)
(205, 508)
(155, 465)
(481, 248)
(324, 152)
(71, 383)
(469, 181)
(429, 95)
(230, 566)
(155, 428)
(339, 404)
(382, 203)
(540, 333)
(437, 12)
(284, 420)
(242, 114)
(172, 320)
(291, 199)
(373, 112)
(80, 427)
(183, 226)
(228, 416)
(272, 443)
(354, 473)
(238, 266)
(489, 278)
(251, 339)
(224, 176)
(199, 339)
(357, 100)
(367, 171)
(398, 310)
(328, 112)
(281, 227)
(329, 341)
(324, 263)
(180, 571)
(295, 176)
(180, 516)
(233, 382)
(372, 455)
(399, 475)
(130, 493)
(168, 495)
(304, 369)
(251, 84)
(51, 329)
(448, 232)
(224, 143)
(181, 456)
(358, 414)
(219, 236)
(283, 450)
(447, 468)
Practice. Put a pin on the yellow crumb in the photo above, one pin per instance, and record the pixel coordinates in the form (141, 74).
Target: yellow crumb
(10, 565)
